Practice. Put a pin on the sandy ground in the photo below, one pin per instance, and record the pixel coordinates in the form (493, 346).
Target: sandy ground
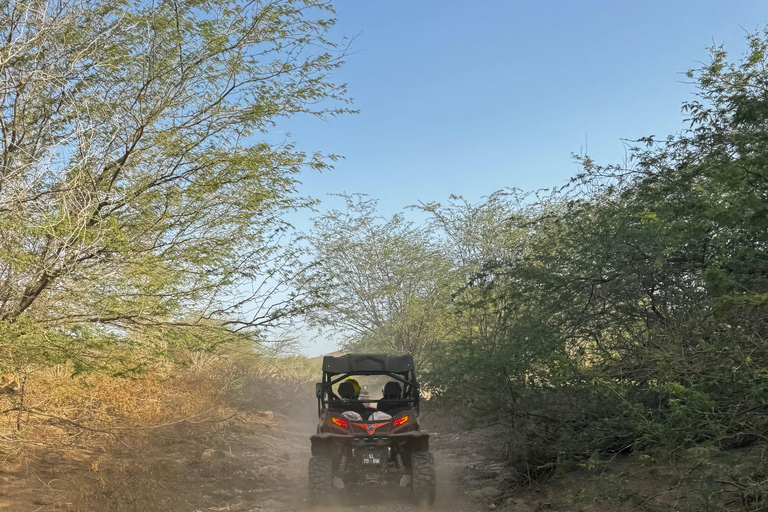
(256, 462)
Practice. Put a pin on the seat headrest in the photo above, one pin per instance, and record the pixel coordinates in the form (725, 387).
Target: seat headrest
(392, 390)
(346, 390)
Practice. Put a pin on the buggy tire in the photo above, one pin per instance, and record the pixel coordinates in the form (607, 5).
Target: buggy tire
(423, 478)
(320, 480)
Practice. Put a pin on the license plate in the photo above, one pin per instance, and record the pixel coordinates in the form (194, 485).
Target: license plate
(371, 459)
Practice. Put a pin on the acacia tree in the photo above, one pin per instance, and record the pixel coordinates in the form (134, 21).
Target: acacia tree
(481, 234)
(385, 283)
(135, 192)
(635, 314)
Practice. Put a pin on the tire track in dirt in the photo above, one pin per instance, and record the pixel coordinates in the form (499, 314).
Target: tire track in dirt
(257, 463)
(293, 496)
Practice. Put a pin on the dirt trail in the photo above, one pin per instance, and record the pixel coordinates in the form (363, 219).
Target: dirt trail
(281, 460)
(257, 463)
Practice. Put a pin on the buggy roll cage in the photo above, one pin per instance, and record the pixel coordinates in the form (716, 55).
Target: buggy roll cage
(336, 369)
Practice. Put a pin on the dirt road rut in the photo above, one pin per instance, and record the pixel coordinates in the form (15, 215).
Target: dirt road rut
(266, 470)
(256, 462)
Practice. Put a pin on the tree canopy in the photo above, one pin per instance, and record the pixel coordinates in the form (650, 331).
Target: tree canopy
(136, 193)
(383, 283)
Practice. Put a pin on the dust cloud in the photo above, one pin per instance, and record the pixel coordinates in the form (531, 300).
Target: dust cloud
(255, 461)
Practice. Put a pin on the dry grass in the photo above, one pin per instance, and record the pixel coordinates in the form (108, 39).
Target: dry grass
(58, 410)
(86, 442)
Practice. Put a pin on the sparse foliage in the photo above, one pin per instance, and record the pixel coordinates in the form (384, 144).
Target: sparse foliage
(384, 282)
(138, 205)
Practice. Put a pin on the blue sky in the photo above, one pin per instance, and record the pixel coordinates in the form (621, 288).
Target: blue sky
(471, 97)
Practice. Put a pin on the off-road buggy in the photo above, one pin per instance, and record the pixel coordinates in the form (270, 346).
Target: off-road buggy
(370, 442)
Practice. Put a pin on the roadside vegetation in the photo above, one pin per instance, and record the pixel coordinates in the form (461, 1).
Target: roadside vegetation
(625, 313)
(153, 441)
(140, 208)
(144, 260)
